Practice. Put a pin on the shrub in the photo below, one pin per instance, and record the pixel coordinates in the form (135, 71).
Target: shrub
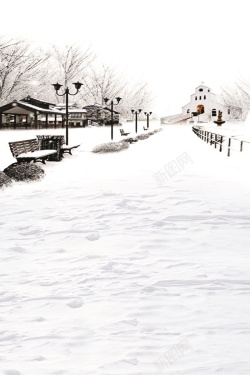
(130, 139)
(111, 147)
(143, 136)
(24, 172)
(4, 180)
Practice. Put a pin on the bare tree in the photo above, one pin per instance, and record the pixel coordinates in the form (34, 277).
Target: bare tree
(24, 71)
(107, 82)
(237, 97)
(68, 64)
(19, 65)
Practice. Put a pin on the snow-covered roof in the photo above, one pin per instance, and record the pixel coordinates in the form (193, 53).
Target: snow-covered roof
(73, 110)
(39, 109)
(29, 98)
(201, 85)
(25, 106)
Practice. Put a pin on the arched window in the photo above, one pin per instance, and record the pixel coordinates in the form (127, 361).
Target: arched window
(188, 110)
(228, 111)
(214, 112)
(196, 98)
(200, 97)
(205, 97)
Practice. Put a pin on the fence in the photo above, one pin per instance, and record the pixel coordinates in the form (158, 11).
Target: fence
(222, 142)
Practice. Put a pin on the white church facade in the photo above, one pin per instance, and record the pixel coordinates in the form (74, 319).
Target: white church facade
(204, 107)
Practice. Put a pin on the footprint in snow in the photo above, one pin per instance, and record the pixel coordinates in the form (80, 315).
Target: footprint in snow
(93, 236)
(75, 304)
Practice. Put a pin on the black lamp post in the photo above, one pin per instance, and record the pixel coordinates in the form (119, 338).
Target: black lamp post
(57, 87)
(136, 117)
(148, 114)
(106, 100)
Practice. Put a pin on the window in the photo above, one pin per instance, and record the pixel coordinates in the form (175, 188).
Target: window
(200, 90)
(200, 97)
(196, 98)
(188, 110)
(214, 112)
(205, 97)
(208, 90)
(75, 115)
(228, 111)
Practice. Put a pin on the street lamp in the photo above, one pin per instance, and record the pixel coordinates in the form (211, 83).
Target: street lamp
(136, 117)
(57, 87)
(106, 100)
(148, 114)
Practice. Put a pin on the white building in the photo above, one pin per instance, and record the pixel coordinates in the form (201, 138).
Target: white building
(204, 106)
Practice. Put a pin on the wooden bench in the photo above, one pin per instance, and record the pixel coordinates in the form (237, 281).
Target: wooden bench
(123, 132)
(28, 150)
(67, 148)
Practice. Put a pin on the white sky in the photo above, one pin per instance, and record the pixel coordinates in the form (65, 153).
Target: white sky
(174, 45)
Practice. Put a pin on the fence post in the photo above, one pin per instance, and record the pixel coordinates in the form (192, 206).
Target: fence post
(228, 147)
(241, 146)
(215, 141)
(208, 135)
(221, 140)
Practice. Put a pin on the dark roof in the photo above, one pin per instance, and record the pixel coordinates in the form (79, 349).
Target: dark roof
(27, 107)
(37, 102)
(97, 106)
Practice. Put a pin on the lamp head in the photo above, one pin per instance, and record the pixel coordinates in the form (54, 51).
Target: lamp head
(57, 86)
(133, 111)
(150, 113)
(139, 110)
(118, 99)
(145, 113)
(77, 85)
(106, 100)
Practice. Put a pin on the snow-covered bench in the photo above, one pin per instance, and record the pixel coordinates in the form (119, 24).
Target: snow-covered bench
(123, 132)
(28, 150)
(68, 148)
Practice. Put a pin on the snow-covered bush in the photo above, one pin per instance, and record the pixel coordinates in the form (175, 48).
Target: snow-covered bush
(130, 140)
(24, 172)
(111, 147)
(143, 136)
(4, 180)
(158, 130)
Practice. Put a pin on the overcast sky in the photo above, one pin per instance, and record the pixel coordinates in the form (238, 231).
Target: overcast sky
(172, 44)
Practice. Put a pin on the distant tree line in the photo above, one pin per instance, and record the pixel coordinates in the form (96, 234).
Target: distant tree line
(25, 70)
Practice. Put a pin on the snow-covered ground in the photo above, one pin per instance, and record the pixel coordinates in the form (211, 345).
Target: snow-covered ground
(133, 263)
